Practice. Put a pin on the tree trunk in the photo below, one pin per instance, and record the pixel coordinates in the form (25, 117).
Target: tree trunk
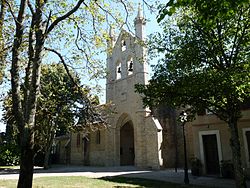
(236, 151)
(48, 148)
(26, 162)
(26, 121)
(46, 159)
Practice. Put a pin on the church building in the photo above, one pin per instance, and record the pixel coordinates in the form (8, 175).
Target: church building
(133, 137)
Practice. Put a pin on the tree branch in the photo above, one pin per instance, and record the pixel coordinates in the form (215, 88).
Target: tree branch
(31, 8)
(125, 7)
(15, 77)
(88, 108)
(63, 62)
(29, 65)
(11, 11)
(150, 7)
(246, 26)
(2, 42)
(59, 19)
(220, 39)
(47, 23)
(79, 33)
(112, 16)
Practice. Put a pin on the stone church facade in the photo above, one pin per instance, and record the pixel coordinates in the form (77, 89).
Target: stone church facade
(133, 136)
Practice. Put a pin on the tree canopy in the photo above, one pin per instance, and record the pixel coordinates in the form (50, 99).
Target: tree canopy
(206, 62)
(58, 108)
(201, 51)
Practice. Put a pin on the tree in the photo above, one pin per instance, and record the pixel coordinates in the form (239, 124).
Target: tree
(205, 64)
(52, 26)
(55, 115)
(57, 109)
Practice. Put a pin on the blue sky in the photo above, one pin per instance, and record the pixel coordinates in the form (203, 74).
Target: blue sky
(151, 26)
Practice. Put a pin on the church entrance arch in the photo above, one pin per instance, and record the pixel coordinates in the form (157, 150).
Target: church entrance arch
(127, 152)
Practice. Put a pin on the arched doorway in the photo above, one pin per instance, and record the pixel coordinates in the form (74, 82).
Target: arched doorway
(127, 153)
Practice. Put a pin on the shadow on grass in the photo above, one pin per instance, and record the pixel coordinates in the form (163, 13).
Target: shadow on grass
(139, 182)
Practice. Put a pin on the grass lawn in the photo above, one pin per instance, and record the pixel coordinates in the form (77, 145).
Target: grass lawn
(84, 182)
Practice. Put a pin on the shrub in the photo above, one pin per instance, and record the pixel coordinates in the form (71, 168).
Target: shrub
(196, 166)
(9, 155)
(227, 169)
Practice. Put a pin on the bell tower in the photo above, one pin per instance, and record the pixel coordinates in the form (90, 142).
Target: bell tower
(127, 66)
(126, 58)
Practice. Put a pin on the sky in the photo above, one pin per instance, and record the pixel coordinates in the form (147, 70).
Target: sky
(151, 26)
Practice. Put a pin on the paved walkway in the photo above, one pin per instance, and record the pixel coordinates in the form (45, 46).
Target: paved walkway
(168, 175)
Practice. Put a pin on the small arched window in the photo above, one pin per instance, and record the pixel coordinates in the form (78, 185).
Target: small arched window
(130, 65)
(123, 44)
(118, 71)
